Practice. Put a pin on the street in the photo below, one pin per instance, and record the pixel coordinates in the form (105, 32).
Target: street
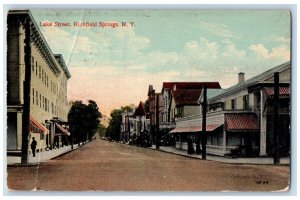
(107, 166)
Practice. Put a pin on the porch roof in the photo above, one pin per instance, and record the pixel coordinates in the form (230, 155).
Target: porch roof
(283, 91)
(241, 122)
(194, 129)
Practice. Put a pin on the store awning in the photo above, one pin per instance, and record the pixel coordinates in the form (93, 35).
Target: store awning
(193, 129)
(284, 92)
(36, 127)
(241, 122)
(60, 129)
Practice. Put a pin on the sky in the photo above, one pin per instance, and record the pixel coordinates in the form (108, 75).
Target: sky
(115, 66)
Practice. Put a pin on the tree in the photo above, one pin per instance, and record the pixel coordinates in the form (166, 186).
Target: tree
(84, 120)
(101, 130)
(114, 126)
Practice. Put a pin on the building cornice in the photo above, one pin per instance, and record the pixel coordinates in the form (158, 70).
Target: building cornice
(38, 39)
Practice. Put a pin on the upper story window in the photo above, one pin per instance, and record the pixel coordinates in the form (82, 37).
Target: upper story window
(233, 102)
(32, 63)
(37, 97)
(39, 71)
(32, 95)
(36, 68)
(43, 75)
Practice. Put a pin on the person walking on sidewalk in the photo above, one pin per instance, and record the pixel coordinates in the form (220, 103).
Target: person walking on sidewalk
(33, 146)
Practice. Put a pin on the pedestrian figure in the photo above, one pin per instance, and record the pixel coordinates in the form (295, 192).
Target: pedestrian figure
(190, 146)
(198, 149)
(33, 146)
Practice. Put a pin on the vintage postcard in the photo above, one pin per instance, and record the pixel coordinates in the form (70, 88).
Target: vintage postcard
(148, 100)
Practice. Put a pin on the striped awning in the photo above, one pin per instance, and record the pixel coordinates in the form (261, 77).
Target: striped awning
(37, 127)
(60, 129)
(283, 91)
(241, 122)
(193, 129)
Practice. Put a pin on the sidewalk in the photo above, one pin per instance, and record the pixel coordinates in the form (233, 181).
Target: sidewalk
(41, 156)
(256, 161)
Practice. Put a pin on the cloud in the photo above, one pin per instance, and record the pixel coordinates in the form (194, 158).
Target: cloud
(219, 30)
(278, 53)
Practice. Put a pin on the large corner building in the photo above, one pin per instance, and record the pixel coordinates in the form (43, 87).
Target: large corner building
(32, 69)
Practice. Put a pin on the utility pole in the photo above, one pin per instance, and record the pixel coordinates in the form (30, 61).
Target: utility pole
(276, 118)
(204, 135)
(157, 122)
(26, 94)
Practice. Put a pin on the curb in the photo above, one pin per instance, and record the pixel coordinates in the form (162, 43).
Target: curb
(22, 165)
(187, 156)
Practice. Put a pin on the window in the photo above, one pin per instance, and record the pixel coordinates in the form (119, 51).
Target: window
(246, 101)
(37, 97)
(43, 102)
(32, 63)
(43, 75)
(46, 104)
(39, 71)
(42, 136)
(232, 104)
(32, 95)
(51, 85)
(36, 68)
(47, 81)
(40, 100)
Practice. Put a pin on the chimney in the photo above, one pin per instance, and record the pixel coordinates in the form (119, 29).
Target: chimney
(241, 77)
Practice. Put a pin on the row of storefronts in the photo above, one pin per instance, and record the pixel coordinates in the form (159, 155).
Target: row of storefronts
(239, 119)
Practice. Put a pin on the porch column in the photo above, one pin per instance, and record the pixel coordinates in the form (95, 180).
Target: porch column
(224, 140)
(263, 127)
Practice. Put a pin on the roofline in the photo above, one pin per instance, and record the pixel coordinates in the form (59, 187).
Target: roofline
(28, 13)
(63, 65)
(252, 81)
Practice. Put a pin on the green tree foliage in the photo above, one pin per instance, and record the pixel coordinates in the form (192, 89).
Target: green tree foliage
(101, 131)
(84, 120)
(114, 126)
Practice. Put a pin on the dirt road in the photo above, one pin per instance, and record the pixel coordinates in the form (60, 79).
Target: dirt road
(107, 166)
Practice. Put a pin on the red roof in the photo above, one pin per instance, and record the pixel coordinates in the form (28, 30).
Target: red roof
(283, 91)
(191, 85)
(36, 127)
(193, 129)
(236, 122)
(186, 97)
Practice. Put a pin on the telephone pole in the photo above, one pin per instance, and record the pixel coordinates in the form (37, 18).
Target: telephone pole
(276, 122)
(204, 135)
(26, 92)
(157, 122)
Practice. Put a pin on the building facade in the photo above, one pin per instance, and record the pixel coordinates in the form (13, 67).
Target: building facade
(240, 118)
(48, 78)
